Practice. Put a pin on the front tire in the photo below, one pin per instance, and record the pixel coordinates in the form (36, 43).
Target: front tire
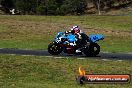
(92, 50)
(54, 49)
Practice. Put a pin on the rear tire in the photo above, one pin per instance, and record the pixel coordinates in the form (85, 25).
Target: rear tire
(54, 49)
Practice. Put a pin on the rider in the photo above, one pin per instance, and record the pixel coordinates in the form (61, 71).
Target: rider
(75, 31)
(82, 38)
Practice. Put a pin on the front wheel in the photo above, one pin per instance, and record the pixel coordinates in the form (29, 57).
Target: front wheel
(54, 49)
(92, 50)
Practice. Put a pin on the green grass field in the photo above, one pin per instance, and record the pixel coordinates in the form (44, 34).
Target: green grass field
(43, 72)
(36, 32)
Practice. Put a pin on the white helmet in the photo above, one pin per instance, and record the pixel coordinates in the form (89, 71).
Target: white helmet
(75, 26)
(75, 29)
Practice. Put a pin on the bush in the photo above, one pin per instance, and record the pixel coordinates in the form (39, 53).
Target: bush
(41, 10)
(63, 10)
(48, 7)
(52, 7)
(75, 6)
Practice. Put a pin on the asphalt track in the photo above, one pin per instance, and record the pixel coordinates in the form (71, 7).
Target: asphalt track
(116, 56)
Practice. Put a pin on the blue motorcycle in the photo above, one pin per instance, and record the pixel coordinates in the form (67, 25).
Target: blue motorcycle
(87, 45)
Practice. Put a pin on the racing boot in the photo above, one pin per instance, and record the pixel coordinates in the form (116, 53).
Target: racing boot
(78, 52)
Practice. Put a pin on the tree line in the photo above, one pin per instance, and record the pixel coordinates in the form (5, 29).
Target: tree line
(54, 7)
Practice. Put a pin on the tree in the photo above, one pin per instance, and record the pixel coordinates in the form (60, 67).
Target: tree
(41, 10)
(26, 6)
(75, 6)
(109, 3)
(46, 7)
(7, 5)
(52, 7)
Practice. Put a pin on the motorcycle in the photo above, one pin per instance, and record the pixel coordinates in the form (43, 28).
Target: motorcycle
(62, 43)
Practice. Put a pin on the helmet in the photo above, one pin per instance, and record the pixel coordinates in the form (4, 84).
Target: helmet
(75, 29)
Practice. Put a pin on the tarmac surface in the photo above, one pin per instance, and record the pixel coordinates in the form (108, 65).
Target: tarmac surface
(116, 56)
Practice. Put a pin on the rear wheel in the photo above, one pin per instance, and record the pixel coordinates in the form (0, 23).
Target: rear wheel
(54, 49)
(92, 50)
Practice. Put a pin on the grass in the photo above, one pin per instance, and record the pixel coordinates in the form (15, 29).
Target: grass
(36, 32)
(41, 72)
(116, 44)
(109, 22)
